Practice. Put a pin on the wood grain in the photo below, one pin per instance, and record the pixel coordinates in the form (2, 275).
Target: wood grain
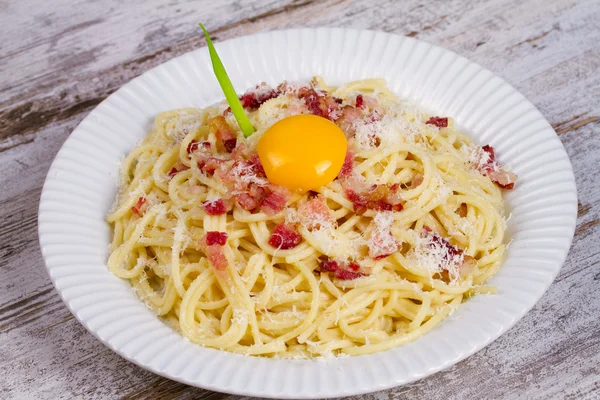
(59, 59)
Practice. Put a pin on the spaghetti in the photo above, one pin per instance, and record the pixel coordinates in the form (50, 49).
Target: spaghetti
(412, 226)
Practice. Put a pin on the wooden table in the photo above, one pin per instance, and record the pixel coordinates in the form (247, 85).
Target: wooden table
(59, 59)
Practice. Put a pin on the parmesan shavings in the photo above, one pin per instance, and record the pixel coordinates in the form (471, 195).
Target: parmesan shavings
(381, 242)
(434, 256)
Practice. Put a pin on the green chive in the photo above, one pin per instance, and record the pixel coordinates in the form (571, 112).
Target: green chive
(232, 98)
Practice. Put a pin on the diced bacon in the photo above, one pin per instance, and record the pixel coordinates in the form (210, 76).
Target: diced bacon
(192, 146)
(329, 266)
(140, 207)
(374, 116)
(315, 213)
(254, 98)
(359, 203)
(346, 275)
(374, 199)
(348, 165)
(394, 197)
(285, 237)
(371, 103)
(212, 243)
(451, 251)
(312, 102)
(240, 153)
(440, 122)
(195, 145)
(320, 103)
(226, 138)
(274, 202)
(348, 118)
(215, 237)
(229, 144)
(216, 207)
(360, 102)
(490, 150)
(353, 266)
(487, 165)
(178, 167)
(252, 199)
(216, 257)
(340, 269)
(382, 243)
(247, 202)
(504, 179)
(257, 166)
(451, 261)
(208, 165)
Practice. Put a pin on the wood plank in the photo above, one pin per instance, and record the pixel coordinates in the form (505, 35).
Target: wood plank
(65, 57)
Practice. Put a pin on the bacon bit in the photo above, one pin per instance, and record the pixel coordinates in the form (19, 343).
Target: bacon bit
(346, 275)
(192, 146)
(216, 207)
(489, 167)
(140, 207)
(208, 165)
(359, 202)
(216, 237)
(360, 102)
(240, 153)
(257, 166)
(229, 144)
(490, 150)
(253, 198)
(212, 243)
(440, 122)
(374, 200)
(354, 266)
(349, 116)
(285, 237)
(195, 145)
(253, 99)
(216, 257)
(178, 167)
(347, 166)
(373, 116)
(225, 136)
(315, 213)
(381, 241)
(320, 103)
(450, 250)
(337, 268)
(273, 203)
(371, 103)
(172, 172)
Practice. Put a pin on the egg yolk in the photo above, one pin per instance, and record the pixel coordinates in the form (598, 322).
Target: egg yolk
(302, 152)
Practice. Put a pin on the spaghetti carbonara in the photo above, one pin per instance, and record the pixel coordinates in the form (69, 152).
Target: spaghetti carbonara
(411, 226)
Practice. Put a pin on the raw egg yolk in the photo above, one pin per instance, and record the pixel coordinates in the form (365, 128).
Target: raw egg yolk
(302, 152)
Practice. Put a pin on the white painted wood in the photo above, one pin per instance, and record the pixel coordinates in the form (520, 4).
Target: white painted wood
(58, 59)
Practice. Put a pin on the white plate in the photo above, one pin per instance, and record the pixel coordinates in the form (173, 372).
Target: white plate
(81, 186)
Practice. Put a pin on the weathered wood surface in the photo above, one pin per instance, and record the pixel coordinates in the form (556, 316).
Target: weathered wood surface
(59, 59)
